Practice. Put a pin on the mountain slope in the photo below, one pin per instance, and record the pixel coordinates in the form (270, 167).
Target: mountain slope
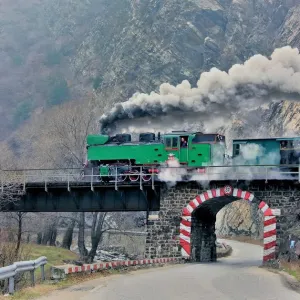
(54, 51)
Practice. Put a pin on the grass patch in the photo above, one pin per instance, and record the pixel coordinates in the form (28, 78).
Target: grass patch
(54, 255)
(293, 268)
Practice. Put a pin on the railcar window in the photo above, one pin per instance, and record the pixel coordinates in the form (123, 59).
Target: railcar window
(296, 144)
(236, 149)
(283, 145)
(290, 145)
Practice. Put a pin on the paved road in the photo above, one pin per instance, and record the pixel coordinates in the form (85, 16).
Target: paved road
(233, 278)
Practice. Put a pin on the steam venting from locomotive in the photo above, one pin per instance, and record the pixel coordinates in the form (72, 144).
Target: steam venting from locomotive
(217, 96)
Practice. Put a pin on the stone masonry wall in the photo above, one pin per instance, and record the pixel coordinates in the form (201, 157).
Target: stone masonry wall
(163, 234)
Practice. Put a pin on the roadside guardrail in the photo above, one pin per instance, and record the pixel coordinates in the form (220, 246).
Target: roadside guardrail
(9, 272)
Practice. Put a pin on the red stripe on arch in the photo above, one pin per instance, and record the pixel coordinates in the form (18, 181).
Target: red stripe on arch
(270, 245)
(270, 222)
(186, 223)
(268, 212)
(186, 248)
(270, 233)
(205, 194)
(186, 212)
(269, 256)
(247, 195)
(192, 204)
(198, 199)
(262, 204)
(214, 193)
(222, 193)
(185, 233)
(239, 193)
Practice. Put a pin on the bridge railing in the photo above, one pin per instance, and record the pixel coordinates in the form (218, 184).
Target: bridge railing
(140, 175)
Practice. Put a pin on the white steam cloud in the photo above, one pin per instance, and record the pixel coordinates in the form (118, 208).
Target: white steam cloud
(172, 172)
(217, 96)
(250, 155)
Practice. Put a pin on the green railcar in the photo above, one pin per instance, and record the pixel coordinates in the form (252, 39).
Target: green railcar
(266, 151)
(194, 150)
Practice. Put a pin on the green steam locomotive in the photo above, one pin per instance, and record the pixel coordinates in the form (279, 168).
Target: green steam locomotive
(118, 156)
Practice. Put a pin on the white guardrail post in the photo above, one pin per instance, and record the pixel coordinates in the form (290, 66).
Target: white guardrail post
(11, 271)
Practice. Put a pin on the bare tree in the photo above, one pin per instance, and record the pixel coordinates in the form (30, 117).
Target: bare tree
(10, 189)
(19, 218)
(53, 139)
(98, 226)
(81, 237)
(68, 236)
(48, 228)
(10, 194)
(64, 142)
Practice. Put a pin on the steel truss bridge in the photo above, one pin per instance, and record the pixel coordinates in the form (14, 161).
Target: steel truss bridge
(67, 190)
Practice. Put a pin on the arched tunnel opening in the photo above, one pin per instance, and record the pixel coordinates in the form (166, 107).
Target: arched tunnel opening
(203, 227)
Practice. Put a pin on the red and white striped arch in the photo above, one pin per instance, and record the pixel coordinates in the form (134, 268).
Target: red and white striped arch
(269, 219)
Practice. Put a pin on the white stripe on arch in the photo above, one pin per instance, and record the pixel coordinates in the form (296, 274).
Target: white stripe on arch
(235, 191)
(270, 227)
(186, 228)
(269, 251)
(195, 201)
(209, 193)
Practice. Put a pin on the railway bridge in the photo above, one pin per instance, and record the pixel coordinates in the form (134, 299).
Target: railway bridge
(185, 210)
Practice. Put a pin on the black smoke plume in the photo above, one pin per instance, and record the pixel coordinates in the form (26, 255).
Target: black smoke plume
(218, 94)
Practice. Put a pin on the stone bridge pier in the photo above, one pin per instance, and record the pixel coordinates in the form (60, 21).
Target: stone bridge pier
(186, 224)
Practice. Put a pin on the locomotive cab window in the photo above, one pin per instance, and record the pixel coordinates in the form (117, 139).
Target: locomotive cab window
(174, 142)
(168, 142)
(183, 141)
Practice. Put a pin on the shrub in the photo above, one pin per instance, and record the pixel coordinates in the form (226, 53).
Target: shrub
(22, 112)
(58, 91)
(97, 82)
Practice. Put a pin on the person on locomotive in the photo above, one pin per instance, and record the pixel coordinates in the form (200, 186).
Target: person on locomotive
(183, 143)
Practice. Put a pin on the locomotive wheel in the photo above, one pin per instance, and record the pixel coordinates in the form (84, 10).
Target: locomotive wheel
(146, 177)
(122, 178)
(134, 178)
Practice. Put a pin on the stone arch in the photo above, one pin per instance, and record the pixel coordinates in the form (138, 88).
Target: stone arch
(269, 219)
